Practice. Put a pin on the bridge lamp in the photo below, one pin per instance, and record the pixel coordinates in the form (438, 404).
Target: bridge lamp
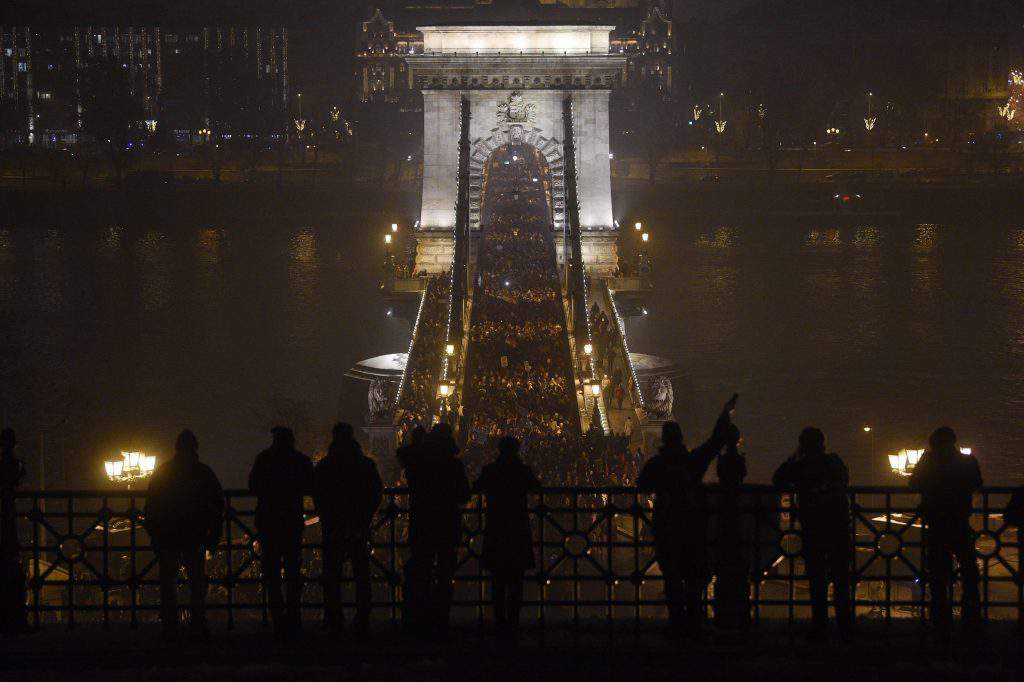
(903, 462)
(114, 468)
(131, 467)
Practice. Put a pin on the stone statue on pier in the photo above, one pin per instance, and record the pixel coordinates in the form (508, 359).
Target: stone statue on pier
(658, 397)
(380, 399)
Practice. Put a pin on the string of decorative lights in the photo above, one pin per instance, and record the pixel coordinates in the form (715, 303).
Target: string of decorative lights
(577, 246)
(446, 358)
(625, 347)
(412, 342)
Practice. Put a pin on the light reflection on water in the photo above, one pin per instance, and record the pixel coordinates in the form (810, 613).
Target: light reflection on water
(154, 271)
(225, 326)
(899, 324)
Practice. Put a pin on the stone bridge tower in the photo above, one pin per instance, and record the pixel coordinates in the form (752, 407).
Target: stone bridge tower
(515, 79)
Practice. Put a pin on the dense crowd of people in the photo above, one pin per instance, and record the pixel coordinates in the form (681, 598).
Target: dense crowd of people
(609, 358)
(417, 401)
(519, 373)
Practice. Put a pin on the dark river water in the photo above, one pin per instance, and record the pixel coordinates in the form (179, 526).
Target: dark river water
(120, 326)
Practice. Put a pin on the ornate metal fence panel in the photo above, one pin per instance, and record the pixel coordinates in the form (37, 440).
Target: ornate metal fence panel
(88, 557)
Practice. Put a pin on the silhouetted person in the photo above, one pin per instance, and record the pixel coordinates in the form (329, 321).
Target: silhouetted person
(508, 541)
(280, 478)
(732, 581)
(183, 516)
(413, 604)
(947, 480)
(438, 488)
(13, 616)
(347, 491)
(680, 518)
(820, 481)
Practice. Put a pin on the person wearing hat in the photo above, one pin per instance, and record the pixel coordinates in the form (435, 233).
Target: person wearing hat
(280, 479)
(183, 516)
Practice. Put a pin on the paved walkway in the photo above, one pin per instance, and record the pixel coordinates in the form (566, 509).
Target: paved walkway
(900, 652)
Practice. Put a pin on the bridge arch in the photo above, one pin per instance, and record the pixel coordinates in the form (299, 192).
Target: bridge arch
(549, 147)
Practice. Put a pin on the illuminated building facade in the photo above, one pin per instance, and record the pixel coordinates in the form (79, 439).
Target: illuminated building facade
(168, 70)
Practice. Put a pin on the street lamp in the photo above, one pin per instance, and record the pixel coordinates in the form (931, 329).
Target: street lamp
(445, 389)
(387, 238)
(869, 122)
(638, 226)
(131, 467)
(394, 227)
(449, 349)
(645, 237)
(903, 462)
(588, 349)
(871, 432)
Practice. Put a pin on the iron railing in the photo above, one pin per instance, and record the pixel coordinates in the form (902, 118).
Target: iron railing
(88, 557)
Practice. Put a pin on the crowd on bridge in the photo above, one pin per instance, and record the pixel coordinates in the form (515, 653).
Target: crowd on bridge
(416, 400)
(184, 516)
(519, 374)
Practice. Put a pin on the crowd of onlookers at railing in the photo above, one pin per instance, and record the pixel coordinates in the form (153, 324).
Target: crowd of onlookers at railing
(184, 508)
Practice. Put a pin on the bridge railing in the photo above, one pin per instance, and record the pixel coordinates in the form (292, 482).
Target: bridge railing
(89, 559)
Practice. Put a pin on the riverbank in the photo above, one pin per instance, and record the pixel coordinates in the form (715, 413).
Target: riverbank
(736, 195)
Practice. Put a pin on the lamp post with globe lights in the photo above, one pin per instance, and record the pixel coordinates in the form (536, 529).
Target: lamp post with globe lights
(903, 462)
(130, 468)
(720, 128)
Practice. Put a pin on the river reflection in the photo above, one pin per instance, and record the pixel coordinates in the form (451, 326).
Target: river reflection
(228, 325)
(895, 324)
